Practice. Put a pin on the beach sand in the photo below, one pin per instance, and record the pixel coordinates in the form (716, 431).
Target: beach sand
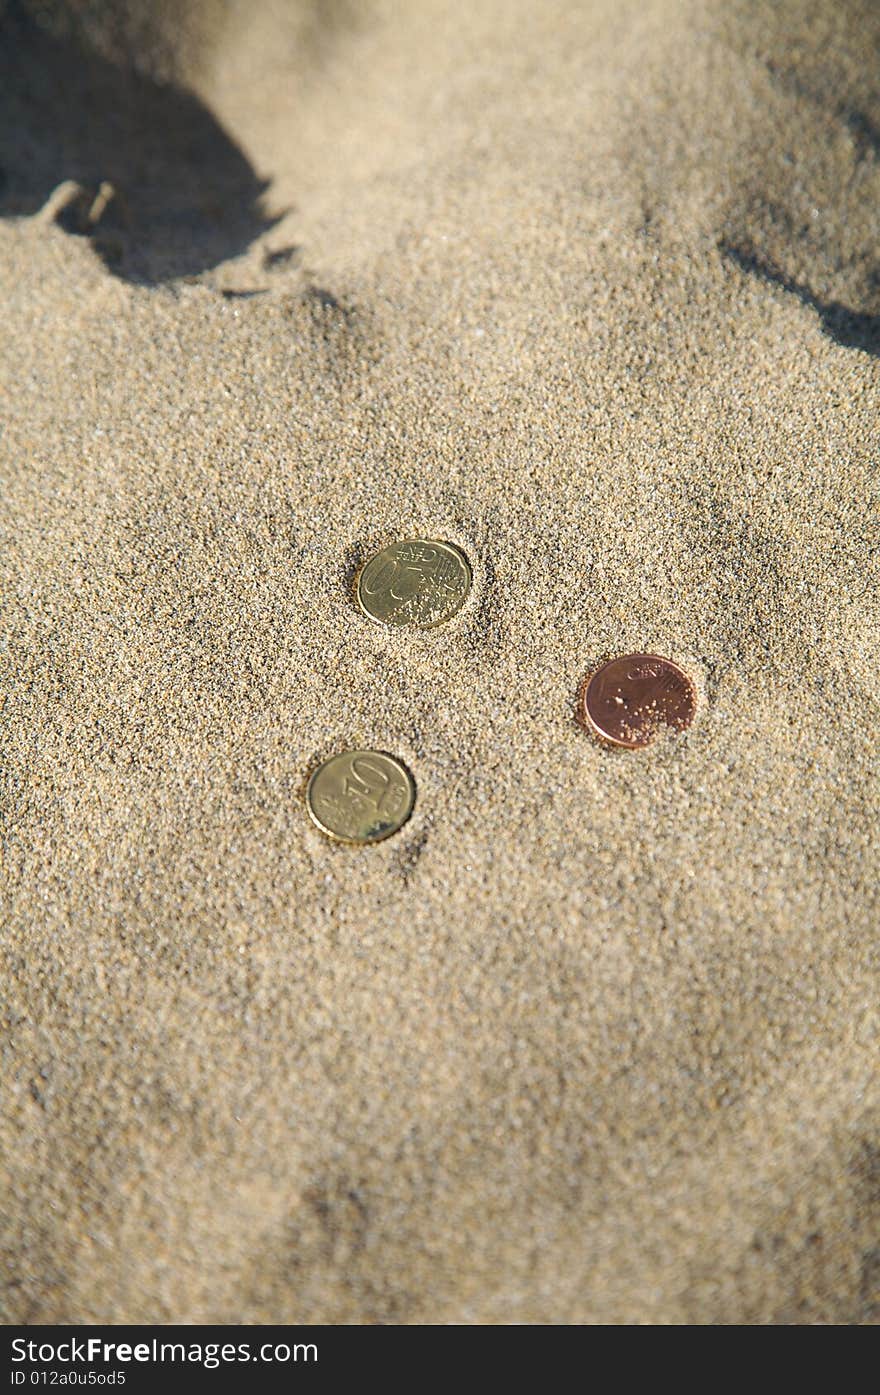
(592, 291)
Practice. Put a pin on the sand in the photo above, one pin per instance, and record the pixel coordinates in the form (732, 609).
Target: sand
(590, 290)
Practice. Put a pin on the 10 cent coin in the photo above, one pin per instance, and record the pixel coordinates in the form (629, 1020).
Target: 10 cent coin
(360, 796)
(627, 700)
(417, 583)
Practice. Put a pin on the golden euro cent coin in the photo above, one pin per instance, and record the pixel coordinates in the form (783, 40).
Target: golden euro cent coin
(360, 796)
(417, 583)
(628, 700)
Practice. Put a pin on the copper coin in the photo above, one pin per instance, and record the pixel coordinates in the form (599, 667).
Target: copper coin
(627, 700)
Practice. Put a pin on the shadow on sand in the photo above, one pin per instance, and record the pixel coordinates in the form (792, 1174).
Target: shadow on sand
(853, 329)
(148, 174)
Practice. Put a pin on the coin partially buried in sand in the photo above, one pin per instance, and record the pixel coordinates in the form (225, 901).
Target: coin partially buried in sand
(417, 583)
(627, 700)
(360, 796)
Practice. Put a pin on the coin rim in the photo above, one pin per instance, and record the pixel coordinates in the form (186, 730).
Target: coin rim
(360, 751)
(410, 625)
(586, 717)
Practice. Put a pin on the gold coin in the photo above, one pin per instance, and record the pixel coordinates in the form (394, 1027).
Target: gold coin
(360, 796)
(417, 583)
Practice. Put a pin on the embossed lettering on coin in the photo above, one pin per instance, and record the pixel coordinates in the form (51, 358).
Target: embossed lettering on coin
(627, 700)
(360, 796)
(417, 583)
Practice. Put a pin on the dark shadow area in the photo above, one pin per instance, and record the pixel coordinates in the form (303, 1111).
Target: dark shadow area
(152, 179)
(863, 130)
(853, 329)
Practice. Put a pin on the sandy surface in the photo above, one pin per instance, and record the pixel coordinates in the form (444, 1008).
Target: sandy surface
(591, 290)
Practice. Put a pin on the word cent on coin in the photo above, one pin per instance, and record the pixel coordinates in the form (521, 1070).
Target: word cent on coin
(360, 796)
(627, 700)
(417, 583)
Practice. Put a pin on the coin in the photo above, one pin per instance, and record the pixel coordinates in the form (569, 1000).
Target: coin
(416, 582)
(627, 700)
(360, 796)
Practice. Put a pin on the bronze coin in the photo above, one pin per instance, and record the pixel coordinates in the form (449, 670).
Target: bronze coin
(627, 700)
